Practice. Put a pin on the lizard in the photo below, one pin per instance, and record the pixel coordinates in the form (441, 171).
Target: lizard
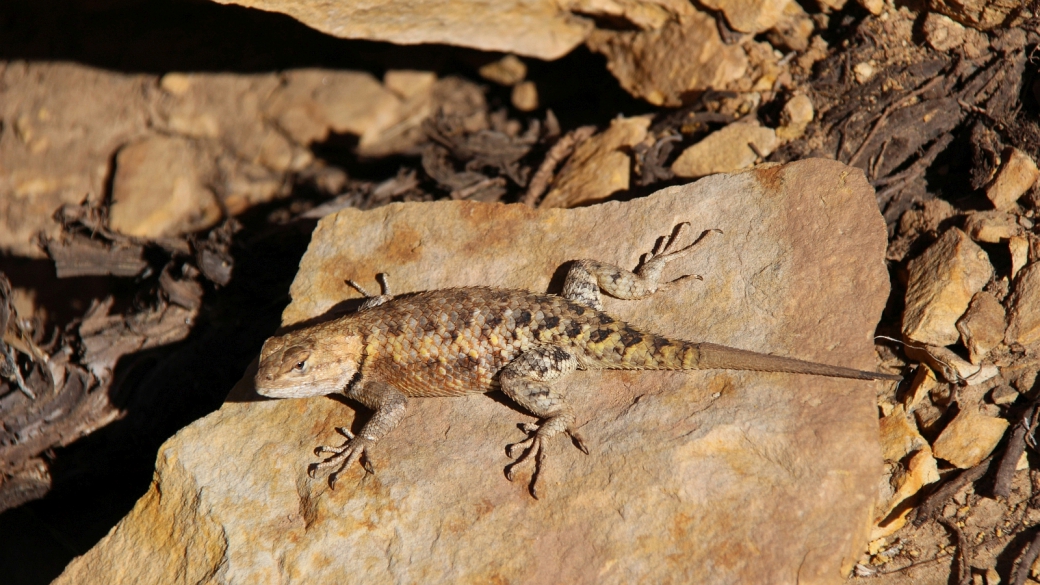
(458, 341)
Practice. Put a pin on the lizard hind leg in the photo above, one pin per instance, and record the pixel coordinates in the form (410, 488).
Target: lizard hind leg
(586, 278)
(530, 380)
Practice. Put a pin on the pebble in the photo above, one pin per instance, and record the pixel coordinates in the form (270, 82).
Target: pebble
(982, 326)
(726, 150)
(1016, 176)
(969, 438)
(941, 283)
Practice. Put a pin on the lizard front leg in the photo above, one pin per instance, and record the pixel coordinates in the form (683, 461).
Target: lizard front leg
(389, 405)
(530, 380)
(586, 277)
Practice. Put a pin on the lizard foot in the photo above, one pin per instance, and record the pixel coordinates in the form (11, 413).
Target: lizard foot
(667, 249)
(534, 447)
(342, 457)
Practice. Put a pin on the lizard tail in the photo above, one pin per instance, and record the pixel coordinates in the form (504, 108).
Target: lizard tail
(702, 356)
(622, 347)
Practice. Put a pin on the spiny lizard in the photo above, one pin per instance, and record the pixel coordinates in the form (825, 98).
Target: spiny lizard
(460, 341)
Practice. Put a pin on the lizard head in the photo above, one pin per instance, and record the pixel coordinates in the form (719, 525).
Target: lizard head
(308, 362)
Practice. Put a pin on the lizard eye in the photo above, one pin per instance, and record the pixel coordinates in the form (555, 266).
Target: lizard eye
(299, 366)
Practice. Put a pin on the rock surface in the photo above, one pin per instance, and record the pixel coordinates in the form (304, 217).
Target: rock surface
(535, 28)
(942, 282)
(160, 189)
(709, 477)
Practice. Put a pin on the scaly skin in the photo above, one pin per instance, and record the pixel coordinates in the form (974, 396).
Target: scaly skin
(461, 341)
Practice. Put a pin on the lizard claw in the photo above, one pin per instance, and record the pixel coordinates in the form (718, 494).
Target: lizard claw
(342, 457)
(532, 446)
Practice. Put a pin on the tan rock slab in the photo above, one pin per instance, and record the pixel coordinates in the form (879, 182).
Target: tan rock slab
(708, 477)
(729, 149)
(982, 326)
(160, 189)
(1024, 307)
(1017, 174)
(535, 28)
(942, 282)
(969, 438)
(749, 16)
(992, 226)
(600, 166)
(672, 64)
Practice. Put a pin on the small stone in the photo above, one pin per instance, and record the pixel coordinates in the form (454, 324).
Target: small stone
(863, 71)
(1023, 462)
(992, 226)
(726, 150)
(1003, 395)
(176, 83)
(969, 438)
(991, 577)
(525, 96)
(928, 416)
(1024, 307)
(942, 282)
(793, 31)
(942, 32)
(899, 436)
(1019, 248)
(796, 115)
(981, 14)
(160, 189)
(408, 84)
(873, 6)
(1016, 176)
(982, 325)
(507, 71)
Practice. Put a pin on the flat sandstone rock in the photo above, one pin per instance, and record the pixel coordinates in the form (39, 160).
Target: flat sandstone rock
(706, 477)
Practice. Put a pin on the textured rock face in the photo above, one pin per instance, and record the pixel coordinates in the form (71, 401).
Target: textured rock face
(536, 28)
(708, 477)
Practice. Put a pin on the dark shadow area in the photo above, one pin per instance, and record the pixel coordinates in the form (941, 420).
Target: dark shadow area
(97, 479)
